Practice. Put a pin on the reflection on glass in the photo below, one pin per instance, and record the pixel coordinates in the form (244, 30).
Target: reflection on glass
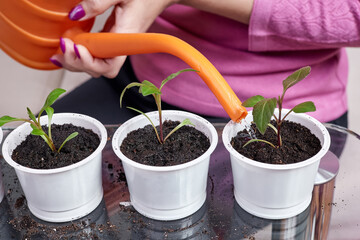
(192, 227)
(247, 226)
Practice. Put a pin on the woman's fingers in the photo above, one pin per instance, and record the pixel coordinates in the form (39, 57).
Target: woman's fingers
(77, 58)
(91, 8)
(68, 59)
(105, 67)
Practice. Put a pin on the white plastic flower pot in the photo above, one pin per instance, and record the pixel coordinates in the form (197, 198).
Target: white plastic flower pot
(275, 191)
(169, 192)
(1, 182)
(66, 193)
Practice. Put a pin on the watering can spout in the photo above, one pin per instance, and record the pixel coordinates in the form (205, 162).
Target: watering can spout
(108, 45)
(20, 40)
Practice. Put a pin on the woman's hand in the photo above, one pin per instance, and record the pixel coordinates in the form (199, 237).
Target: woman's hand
(128, 16)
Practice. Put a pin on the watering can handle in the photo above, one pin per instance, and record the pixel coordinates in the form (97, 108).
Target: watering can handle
(108, 45)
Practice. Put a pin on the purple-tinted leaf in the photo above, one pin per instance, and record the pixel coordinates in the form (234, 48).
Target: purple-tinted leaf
(262, 113)
(295, 77)
(250, 102)
(304, 107)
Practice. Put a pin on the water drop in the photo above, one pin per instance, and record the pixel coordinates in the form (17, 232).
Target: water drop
(250, 131)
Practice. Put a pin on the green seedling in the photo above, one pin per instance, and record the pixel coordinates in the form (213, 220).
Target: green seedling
(147, 88)
(263, 108)
(35, 121)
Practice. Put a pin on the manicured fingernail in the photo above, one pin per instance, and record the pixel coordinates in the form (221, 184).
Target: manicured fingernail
(56, 62)
(77, 51)
(62, 45)
(76, 13)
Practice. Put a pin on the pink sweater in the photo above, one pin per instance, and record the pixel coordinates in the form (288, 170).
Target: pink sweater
(282, 36)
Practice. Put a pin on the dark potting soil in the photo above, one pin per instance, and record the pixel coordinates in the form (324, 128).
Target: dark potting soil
(298, 144)
(34, 152)
(186, 144)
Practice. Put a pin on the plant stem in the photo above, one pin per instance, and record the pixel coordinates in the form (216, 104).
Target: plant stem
(38, 118)
(52, 145)
(276, 119)
(46, 137)
(49, 142)
(152, 124)
(158, 104)
(278, 134)
(287, 114)
(279, 121)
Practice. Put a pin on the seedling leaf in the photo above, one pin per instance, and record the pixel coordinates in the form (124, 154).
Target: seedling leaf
(172, 76)
(147, 88)
(71, 136)
(53, 95)
(7, 119)
(250, 102)
(304, 107)
(263, 112)
(36, 131)
(273, 128)
(258, 140)
(296, 77)
(50, 112)
(183, 123)
(31, 115)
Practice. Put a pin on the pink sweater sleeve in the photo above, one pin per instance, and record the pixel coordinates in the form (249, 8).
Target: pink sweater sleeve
(277, 25)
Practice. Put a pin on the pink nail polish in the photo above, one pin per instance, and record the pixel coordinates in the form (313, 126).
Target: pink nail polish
(76, 13)
(62, 45)
(77, 51)
(56, 62)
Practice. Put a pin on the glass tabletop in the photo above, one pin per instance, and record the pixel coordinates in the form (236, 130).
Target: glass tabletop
(333, 213)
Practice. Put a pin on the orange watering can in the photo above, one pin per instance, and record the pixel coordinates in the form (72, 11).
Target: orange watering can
(31, 29)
